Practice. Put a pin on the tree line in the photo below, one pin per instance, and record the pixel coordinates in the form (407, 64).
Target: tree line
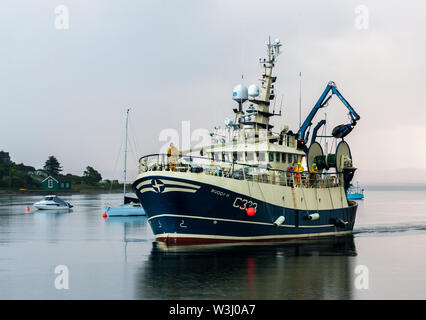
(90, 175)
(14, 175)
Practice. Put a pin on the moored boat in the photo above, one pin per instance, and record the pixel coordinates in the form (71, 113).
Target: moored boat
(52, 202)
(249, 184)
(355, 193)
(131, 205)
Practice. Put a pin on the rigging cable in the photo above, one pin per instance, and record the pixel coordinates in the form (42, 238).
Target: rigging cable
(115, 165)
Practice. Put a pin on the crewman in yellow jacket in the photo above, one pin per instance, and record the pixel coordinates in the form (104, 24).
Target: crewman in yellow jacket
(313, 174)
(314, 168)
(299, 169)
(172, 153)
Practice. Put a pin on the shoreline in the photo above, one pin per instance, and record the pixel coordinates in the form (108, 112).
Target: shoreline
(57, 192)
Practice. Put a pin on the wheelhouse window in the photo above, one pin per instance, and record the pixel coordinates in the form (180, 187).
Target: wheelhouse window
(240, 156)
(271, 157)
(284, 158)
(249, 156)
(261, 156)
(216, 156)
(277, 156)
(224, 156)
(290, 158)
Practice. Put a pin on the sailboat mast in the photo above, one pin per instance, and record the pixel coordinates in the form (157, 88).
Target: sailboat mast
(125, 152)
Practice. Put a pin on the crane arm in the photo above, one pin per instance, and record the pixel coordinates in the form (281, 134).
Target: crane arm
(302, 134)
(317, 127)
(354, 116)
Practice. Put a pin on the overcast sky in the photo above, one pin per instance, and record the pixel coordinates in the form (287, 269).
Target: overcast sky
(64, 92)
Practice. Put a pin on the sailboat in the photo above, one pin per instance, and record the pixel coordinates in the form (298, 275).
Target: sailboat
(131, 206)
(355, 193)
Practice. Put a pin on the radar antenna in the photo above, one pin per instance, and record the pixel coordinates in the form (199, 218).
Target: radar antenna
(273, 50)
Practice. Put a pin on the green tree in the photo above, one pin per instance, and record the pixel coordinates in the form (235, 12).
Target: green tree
(91, 176)
(75, 179)
(52, 166)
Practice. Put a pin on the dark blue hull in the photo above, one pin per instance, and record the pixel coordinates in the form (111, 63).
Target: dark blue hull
(187, 212)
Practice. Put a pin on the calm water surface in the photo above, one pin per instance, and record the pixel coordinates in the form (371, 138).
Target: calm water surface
(117, 258)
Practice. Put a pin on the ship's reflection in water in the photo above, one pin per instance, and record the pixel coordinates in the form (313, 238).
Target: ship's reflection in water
(308, 269)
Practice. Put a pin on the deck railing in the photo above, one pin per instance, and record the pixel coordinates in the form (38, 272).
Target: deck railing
(237, 170)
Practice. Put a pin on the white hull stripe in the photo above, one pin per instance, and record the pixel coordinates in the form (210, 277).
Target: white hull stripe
(178, 183)
(238, 221)
(143, 183)
(168, 182)
(168, 189)
(204, 236)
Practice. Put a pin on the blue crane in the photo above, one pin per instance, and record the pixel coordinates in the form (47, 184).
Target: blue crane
(339, 131)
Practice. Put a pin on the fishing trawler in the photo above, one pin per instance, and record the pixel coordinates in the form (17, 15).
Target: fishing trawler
(245, 186)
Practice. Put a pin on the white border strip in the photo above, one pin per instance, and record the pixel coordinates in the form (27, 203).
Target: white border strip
(168, 182)
(238, 221)
(143, 183)
(203, 236)
(169, 189)
(178, 183)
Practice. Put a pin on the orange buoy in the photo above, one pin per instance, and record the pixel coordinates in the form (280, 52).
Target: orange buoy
(251, 211)
(104, 215)
(27, 209)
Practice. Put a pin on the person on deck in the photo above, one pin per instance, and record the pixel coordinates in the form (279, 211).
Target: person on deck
(172, 154)
(313, 174)
(298, 176)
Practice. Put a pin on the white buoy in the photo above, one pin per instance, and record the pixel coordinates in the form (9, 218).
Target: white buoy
(313, 216)
(279, 221)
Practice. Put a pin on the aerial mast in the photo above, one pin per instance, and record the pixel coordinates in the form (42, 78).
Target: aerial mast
(267, 91)
(125, 152)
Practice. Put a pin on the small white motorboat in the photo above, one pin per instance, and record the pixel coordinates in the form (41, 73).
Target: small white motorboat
(52, 202)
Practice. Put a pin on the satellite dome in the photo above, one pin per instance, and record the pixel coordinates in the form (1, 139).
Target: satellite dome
(240, 93)
(229, 122)
(253, 90)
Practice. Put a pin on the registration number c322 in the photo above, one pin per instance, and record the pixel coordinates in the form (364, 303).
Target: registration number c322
(243, 204)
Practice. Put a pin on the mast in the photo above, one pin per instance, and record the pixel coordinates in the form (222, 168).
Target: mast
(125, 152)
(300, 99)
(266, 93)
